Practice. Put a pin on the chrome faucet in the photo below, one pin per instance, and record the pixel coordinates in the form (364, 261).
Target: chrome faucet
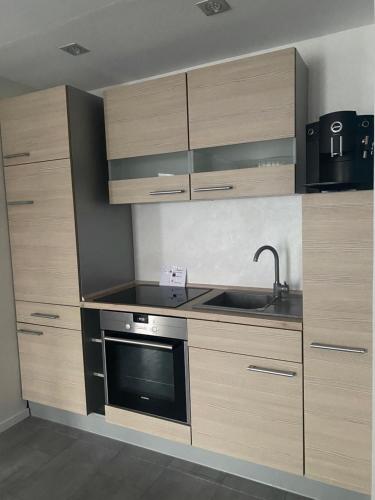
(279, 289)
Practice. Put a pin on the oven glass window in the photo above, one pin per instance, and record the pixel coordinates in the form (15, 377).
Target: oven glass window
(148, 376)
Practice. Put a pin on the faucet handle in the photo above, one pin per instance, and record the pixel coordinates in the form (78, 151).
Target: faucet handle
(284, 288)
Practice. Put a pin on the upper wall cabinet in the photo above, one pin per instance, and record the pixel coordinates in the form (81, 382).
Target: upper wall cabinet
(147, 118)
(248, 100)
(241, 115)
(34, 127)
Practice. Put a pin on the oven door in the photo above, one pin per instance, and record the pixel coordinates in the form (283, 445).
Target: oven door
(147, 374)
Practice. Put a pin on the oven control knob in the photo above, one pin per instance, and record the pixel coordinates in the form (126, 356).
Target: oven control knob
(154, 329)
(127, 326)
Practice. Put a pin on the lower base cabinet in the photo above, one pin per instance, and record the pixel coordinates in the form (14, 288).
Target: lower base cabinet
(247, 407)
(52, 370)
(338, 337)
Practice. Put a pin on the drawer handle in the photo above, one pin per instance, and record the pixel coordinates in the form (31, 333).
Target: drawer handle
(15, 155)
(21, 202)
(97, 374)
(270, 371)
(213, 188)
(96, 341)
(46, 316)
(30, 332)
(340, 348)
(170, 191)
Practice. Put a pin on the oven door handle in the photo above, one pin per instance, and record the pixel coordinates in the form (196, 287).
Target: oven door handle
(159, 345)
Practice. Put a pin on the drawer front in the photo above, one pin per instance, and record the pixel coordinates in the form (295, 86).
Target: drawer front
(244, 339)
(254, 414)
(147, 118)
(338, 417)
(49, 315)
(52, 370)
(34, 127)
(150, 190)
(152, 425)
(263, 181)
(42, 232)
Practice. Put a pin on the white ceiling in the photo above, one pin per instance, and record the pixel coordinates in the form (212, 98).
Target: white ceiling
(132, 39)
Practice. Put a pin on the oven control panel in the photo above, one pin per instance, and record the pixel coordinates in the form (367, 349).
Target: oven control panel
(144, 324)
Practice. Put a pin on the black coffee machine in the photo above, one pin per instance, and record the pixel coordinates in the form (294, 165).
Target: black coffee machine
(340, 152)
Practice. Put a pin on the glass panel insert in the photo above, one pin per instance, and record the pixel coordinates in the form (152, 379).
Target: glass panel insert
(255, 154)
(151, 166)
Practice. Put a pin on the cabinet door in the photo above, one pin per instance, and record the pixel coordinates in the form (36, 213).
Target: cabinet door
(42, 232)
(147, 118)
(34, 127)
(240, 410)
(337, 299)
(51, 362)
(248, 100)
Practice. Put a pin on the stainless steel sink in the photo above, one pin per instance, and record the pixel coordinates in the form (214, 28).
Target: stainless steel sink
(241, 300)
(255, 303)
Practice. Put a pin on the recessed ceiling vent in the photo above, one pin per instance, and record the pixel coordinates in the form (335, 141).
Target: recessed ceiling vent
(212, 7)
(74, 49)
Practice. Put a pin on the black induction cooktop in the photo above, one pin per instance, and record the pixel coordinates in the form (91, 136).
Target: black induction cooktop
(153, 295)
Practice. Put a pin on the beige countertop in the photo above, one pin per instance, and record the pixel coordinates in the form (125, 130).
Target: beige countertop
(187, 310)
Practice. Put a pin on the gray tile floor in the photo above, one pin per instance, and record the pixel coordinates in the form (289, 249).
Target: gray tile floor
(40, 460)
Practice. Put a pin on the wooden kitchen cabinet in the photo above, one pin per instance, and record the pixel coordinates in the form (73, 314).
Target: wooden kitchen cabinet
(248, 100)
(147, 118)
(337, 300)
(52, 370)
(34, 127)
(66, 240)
(239, 410)
(246, 114)
(42, 232)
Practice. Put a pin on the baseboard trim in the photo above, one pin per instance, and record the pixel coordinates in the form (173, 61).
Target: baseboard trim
(288, 482)
(14, 419)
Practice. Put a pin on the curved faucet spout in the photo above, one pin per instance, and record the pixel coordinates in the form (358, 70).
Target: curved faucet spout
(278, 288)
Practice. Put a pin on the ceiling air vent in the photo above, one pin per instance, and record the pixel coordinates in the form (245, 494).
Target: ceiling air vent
(74, 49)
(212, 7)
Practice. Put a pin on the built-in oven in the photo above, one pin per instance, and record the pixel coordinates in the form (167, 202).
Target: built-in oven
(146, 364)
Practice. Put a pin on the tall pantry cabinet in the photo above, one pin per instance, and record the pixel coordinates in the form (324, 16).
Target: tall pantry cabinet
(66, 240)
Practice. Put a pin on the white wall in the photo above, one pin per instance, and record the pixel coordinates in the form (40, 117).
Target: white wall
(12, 407)
(217, 239)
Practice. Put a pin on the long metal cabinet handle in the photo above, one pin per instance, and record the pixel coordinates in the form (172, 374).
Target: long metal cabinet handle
(30, 332)
(44, 315)
(170, 191)
(213, 188)
(271, 371)
(167, 347)
(21, 202)
(341, 348)
(15, 155)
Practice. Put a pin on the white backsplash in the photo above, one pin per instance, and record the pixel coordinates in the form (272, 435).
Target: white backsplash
(216, 240)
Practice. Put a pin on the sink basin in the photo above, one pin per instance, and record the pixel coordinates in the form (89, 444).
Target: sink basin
(289, 306)
(241, 300)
